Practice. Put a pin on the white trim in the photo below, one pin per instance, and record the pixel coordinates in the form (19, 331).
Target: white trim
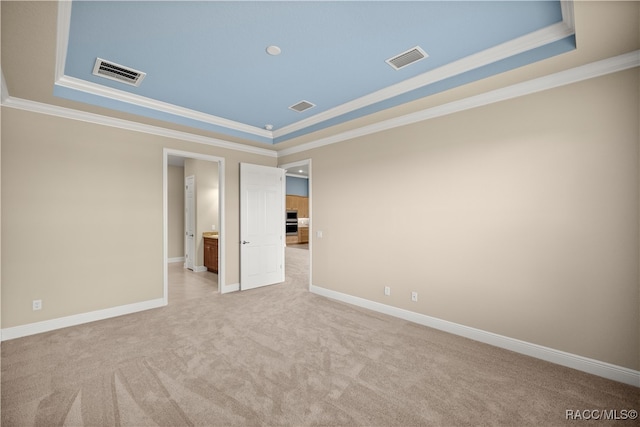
(585, 364)
(68, 113)
(568, 16)
(165, 227)
(79, 319)
(199, 268)
(513, 47)
(62, 41)
(233, 287)
(4, 91)
(562, 78)
(574, 75)
(174, 260)
(62, 36)
(295, 175)
(222, 235)
(165, 107)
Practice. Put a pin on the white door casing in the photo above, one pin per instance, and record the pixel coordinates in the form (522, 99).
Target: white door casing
(262, 225)
(190, 220)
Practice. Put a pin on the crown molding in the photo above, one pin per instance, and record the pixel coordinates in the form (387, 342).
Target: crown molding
(62, 41)
(164, 107)
(53, 110)
(505, 50)
(62, 36)
(568, 16)
(574, 75)
(519, 45)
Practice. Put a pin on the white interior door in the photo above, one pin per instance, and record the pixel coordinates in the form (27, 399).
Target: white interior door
(190, 222)
(262, 225)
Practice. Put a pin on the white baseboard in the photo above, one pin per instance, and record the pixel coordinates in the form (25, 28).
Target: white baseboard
(78, 319)
(178, 259)
(592, 366)
(232, 287)
(197, 268)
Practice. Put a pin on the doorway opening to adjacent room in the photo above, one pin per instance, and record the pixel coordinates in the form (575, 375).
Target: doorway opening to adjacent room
(204, 175)
(299, 195)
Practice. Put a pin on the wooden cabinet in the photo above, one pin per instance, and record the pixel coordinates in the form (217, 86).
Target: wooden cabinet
(211, 254)
(303, 234)
(298, 203)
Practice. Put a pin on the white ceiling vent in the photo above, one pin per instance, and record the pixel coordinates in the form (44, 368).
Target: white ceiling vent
(120, 73)
(302, 106)
(407, 58)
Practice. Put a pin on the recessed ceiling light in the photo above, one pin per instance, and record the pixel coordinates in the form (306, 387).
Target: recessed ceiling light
(274, 50)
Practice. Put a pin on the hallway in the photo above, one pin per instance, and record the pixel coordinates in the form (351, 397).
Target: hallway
(186, 285)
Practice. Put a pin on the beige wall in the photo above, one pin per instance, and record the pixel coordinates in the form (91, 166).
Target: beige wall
(518, 218)
(82, 215)
(175, 202)
(206, 179)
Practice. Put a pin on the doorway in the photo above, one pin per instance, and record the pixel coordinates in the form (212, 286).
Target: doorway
(212, 218)
(301, 170)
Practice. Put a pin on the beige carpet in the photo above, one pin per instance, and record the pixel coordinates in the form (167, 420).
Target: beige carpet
(282, 356)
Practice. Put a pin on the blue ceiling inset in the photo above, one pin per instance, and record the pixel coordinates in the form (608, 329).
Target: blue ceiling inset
(207, 65)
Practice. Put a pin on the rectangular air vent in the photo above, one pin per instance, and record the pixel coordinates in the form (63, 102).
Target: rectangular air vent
(302, 106)
(113, 71)
(407, 58)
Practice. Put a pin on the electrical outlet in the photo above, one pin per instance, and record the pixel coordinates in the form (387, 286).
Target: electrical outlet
(387, 290)
(414, 296)
(37, 304)
(319, 234)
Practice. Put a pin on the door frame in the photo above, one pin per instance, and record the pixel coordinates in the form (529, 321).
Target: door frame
(166, 152)
(305, 162)
(190, 215)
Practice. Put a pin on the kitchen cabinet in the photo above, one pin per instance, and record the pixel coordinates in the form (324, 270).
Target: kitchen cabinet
(211, 254)
(298, 203)
(303, 234)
